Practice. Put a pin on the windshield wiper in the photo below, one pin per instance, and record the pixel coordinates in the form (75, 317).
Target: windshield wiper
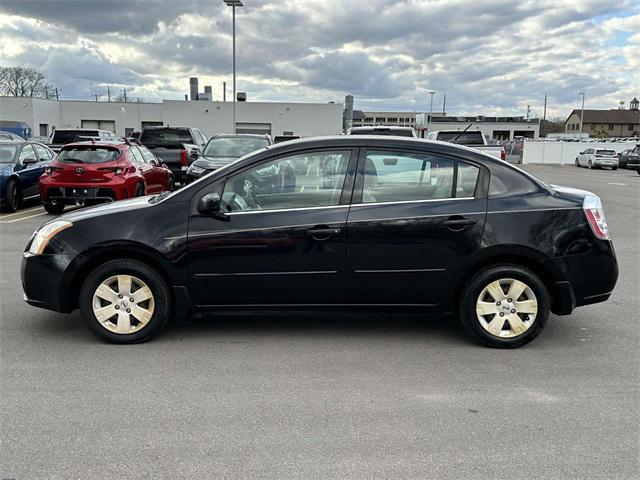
(74, 160)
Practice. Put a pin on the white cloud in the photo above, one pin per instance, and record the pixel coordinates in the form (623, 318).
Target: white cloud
(493, 57)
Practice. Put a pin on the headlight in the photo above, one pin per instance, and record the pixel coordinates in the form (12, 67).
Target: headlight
(196, 170)
(46, 233)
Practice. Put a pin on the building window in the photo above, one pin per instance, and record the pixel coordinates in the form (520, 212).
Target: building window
(381, 119)
(287, 134)
(368, 119)
(392, 119)
(44, 129)
(631, 127)
(611, 126)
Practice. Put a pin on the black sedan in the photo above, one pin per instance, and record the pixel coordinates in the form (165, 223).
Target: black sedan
(383, 222)
(630, 158)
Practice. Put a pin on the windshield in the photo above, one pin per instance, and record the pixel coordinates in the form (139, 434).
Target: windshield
(7, 153)
(233, 147)
(89, 155)
(460, 138)
(69, 136)
(165, 136)
(605, 152)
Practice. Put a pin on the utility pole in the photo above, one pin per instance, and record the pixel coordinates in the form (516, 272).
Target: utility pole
(108, 94)
(224, 91)
(125, 94)
(233, 4)
(57, 94)
(581, 111)
(544, 115)
(528, 110)
(444, 105)
(96, 95)
(431, 93)
(46, 92)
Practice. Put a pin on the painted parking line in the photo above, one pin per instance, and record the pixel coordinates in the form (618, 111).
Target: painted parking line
(23, 218)
(614, 183)
(20, 212)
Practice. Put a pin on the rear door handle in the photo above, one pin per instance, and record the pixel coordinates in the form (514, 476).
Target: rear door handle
(458, 222)
(322, 233)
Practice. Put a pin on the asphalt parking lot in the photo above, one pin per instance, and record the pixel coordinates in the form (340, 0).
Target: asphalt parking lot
(340, 396)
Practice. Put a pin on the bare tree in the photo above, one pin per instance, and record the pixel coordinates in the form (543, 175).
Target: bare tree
(24, 82)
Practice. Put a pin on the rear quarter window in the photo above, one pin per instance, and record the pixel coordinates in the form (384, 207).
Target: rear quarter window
(506, 182)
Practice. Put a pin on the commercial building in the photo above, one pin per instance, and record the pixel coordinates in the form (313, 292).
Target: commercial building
(275, 118)
(498, 128)
(397, 119)
(606, 123)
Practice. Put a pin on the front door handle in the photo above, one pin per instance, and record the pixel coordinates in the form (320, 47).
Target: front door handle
(458, 222)
(322, 233)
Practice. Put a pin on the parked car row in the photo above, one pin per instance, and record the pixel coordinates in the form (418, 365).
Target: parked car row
(606, 158)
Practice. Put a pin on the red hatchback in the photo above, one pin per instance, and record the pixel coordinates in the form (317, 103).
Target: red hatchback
(93, 172)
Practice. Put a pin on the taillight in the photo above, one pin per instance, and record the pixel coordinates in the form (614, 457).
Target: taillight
(503, 154)
(594, 212)
(50, 170)
(183, 158)
(116, 170)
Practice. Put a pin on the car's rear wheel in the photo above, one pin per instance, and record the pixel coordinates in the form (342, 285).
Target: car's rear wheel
(125, 301)
(172, 184)
(577, 163)
(54, 208)
(505, 306)
(139, 191)
(590, 164)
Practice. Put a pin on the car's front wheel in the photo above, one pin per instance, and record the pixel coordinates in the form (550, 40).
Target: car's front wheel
(577, 163)
(54, 208)
(125, 301)
(505, 306)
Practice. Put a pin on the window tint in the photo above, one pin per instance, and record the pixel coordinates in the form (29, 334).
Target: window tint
(165, 136)
(137, 155)
(146, 154)
(88, 154)
(508, 181)
(233, 147)
(467, 180)
(27, 152)
(7, 152)
(43, 153)
(300, 181)
(461, 138)
(398, 176)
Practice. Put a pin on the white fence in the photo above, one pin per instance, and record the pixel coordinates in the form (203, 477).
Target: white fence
(564, 152)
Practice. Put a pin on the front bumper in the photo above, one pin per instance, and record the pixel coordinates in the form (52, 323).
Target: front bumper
(43, 281)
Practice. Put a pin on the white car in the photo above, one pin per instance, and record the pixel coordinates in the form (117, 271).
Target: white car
(597, 158)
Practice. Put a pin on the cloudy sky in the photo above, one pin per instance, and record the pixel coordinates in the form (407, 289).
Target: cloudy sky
(488, 56)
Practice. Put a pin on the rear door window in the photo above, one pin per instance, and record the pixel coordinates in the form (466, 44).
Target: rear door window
(147, 155)
(43, 153)
(27, 152)
(137, 155)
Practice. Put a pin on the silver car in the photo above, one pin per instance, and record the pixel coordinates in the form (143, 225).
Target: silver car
(597, 158)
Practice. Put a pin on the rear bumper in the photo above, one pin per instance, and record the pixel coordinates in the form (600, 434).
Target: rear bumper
(606, 163)
(78, 193)
(583, 279)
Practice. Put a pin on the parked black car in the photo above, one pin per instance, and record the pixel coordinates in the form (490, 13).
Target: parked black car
(21, 164)
(633, 160)
(221, 150)
(176, 147)
(371, 221)
(631, 155)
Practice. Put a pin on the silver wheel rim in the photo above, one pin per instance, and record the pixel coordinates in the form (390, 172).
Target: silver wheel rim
(123, 304)
(507, 308)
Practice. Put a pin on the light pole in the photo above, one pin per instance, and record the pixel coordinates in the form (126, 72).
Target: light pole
(233, 4)
(581, 112)
(432, 93)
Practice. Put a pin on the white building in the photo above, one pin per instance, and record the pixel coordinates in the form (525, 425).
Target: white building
(300, 119)
(499, 128)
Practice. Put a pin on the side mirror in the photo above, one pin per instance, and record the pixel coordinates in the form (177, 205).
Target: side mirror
(154, 162)
(209, 204)
(29, 161)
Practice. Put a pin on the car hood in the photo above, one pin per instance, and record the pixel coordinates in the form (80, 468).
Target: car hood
(211, 163)
(107, 209)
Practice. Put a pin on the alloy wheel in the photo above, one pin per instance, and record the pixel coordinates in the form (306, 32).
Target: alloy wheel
(506, 308)
(123, 304)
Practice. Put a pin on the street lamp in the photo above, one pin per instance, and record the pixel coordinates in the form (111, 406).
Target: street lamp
(581, 112)
(233, 4)
(432, 93)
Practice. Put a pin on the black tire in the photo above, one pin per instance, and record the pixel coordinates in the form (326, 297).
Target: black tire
(638, 171)
(139, 191)
(614, 168)
(12, 197)
(155, 282)
(172, 184)
(54, 208)
(577, 163)
(590, 165)
(482, 279)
